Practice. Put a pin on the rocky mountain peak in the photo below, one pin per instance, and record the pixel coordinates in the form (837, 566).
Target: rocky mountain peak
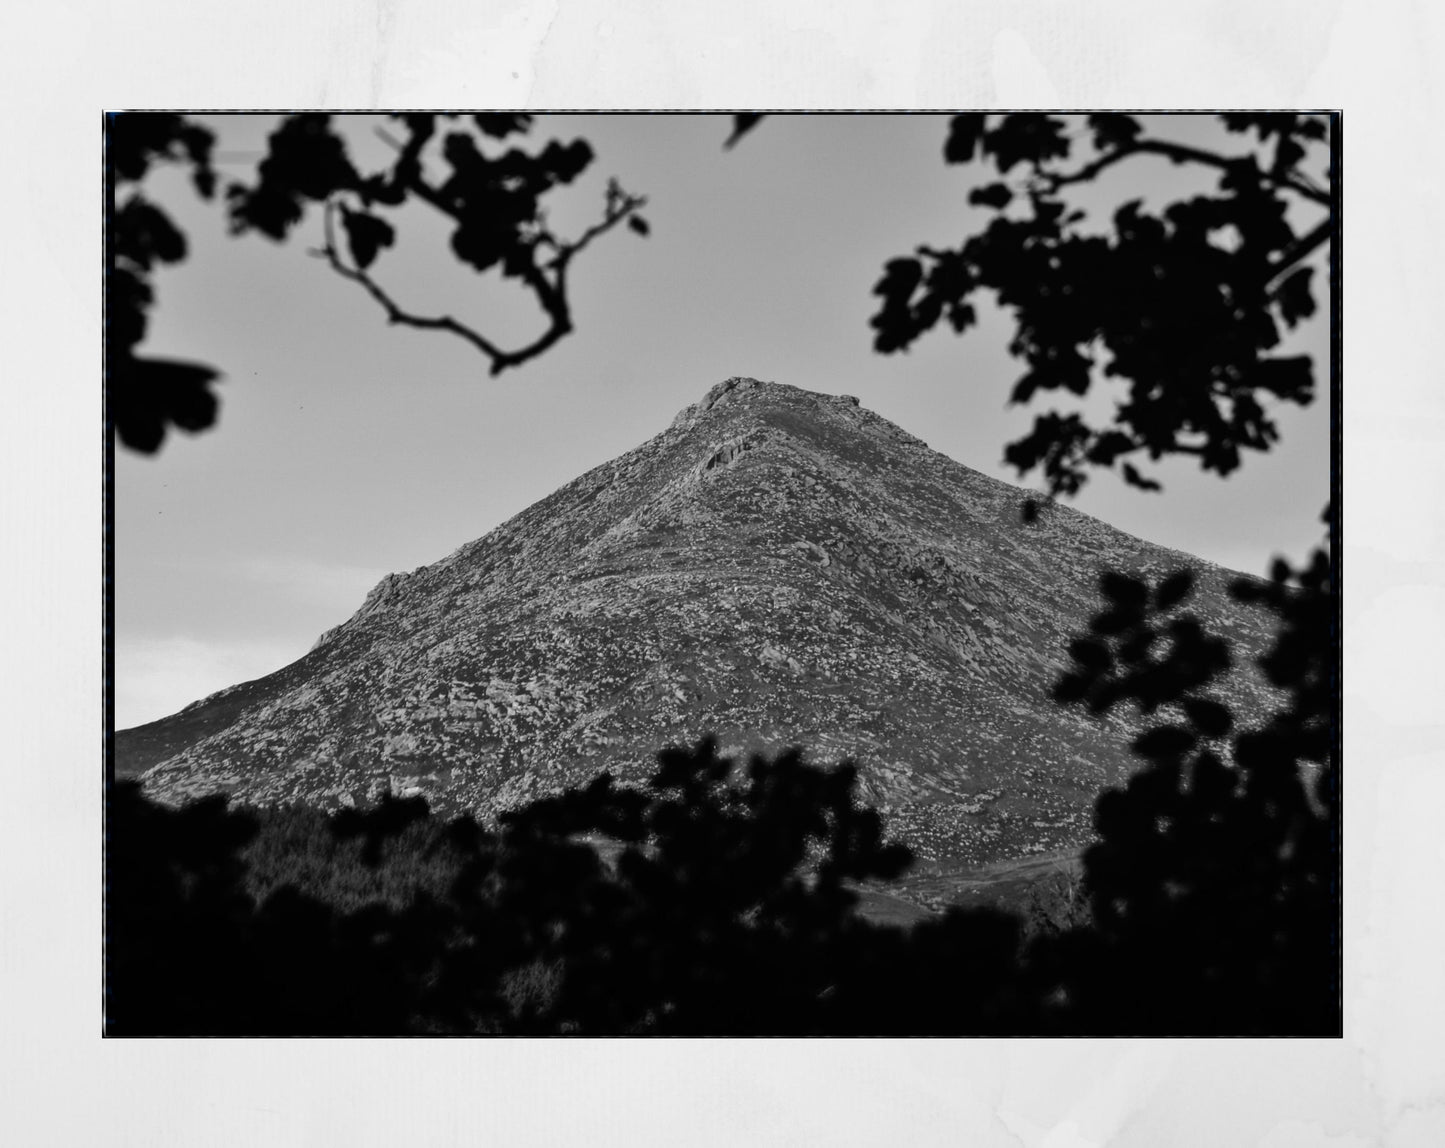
(777, 568)
(754, 393)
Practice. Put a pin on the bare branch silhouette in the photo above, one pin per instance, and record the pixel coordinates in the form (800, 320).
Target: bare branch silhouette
(547, 282)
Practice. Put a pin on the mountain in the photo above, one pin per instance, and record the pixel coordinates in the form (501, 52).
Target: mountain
(777, 568)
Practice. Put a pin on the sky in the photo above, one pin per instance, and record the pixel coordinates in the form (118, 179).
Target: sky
(347, 449)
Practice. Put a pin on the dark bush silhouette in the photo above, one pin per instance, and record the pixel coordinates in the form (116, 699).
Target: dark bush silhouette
(724, 906)
(711, 919)
(1214, 885)
(189, 951)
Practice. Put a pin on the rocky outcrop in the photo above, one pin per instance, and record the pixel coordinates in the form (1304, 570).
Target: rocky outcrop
(777, 568)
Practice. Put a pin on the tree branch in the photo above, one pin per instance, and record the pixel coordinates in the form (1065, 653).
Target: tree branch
(1179, 153)
(1183, 153)
(394, 313)
(1299, 250)
(551, 292)
(1056, 180)
(619, 206)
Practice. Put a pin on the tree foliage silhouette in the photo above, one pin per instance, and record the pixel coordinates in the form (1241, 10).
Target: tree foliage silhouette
(189, 951)
(1215, 879)
(1185, 305)
(1214, 886)
(149, 395)
(494, 197)
(726, 908)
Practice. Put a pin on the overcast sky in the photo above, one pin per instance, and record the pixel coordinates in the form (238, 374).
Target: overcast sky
(346, 449)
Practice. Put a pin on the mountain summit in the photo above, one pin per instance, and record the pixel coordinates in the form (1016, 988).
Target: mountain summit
(777, 568)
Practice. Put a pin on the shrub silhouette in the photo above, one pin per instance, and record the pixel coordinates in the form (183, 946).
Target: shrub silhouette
(189, 951)
(725, 907)
(711, 919)
(1214, 884)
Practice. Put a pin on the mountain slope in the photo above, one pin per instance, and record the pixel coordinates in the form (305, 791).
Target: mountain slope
(777, 568)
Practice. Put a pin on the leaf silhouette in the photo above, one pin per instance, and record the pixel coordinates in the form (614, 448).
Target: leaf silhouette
(499, 125)
(743, 122)
(153, 393)
(1211, 718)
(1296, 301)
(1134, 478)
(1174, 589)
(1114, 130)
(964, 133)
(366, 235)
(995, 195)
(1164, 742)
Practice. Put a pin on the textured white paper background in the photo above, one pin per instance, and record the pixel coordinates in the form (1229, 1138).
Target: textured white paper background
(1378, 60)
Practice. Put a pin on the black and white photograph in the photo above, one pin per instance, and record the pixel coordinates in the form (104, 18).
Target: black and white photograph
(749, 574)
(819, 573)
